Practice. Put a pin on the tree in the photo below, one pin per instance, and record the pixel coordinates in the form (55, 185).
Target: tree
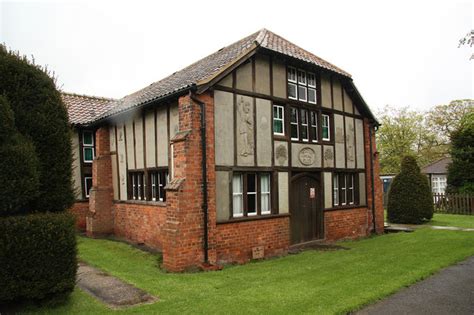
(405, 132)
(443, 120)
(468, 39)
(18, 165)
(461, 170)
(409, 196)
(41, 117)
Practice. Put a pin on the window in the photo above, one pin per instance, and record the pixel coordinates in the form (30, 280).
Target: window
(300, 125)
(439, 184)
(314, 126)
(265, 203)
(326, 127)
(87, 185)
(311, 88)
(88, 146)
(345, 191)
(292, 92)
(301, 85)
(304, 125)
(294, 124)
(278, 120)
(251, 194)
(158, 180)
(136, 186)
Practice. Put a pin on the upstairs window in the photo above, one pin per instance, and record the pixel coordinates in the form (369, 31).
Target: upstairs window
(251, 194)
(326, 127)
(304, 125)
(278, 120)
(301, 85)
(88, 146)
(158, 181)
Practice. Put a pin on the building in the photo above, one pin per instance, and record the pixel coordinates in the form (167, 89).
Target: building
(437, 173)
(255, 148)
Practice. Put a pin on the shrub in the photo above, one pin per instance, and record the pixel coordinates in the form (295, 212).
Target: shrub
(18, 165)
(409, 197)
(41, 117)
(460, 171)
(37, 256)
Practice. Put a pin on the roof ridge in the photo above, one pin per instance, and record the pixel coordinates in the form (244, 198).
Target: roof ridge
(88, 96)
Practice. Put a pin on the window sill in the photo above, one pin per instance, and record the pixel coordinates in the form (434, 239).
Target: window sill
(143, 202)
(345, 207)
(254, 218)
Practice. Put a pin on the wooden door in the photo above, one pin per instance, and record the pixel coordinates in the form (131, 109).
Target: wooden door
(306, 212)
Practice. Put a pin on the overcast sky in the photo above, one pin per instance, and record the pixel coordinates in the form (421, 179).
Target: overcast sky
(401, 53)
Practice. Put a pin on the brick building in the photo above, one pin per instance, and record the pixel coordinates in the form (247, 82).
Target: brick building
(255, 148)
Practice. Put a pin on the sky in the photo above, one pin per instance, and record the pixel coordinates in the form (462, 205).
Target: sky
(400, 53)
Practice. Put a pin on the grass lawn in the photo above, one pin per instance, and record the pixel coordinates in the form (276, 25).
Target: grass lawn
(463, 221)
(310, 282)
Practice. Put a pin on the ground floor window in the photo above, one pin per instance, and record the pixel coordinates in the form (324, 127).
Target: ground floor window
(87, 185)
(251, 194)
(136, 186)
(438, 184)
(158, 181)
(345, 191)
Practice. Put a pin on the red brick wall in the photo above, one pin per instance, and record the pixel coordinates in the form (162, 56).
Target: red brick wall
(79, 209)
(346, 224)
(234, 241)
(140, 223)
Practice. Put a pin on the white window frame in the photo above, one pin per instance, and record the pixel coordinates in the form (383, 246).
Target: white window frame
(161, 185)
(238, 194)
(87, 146)
(315, 125)
(266, 193)
(296, 74)
(134, 196)
(344, 190)
(154, 190)
(308, 74)
(85, 186)
(282, 119)
(350, 188)
(326, 119)
(304, 125)
(295, 123)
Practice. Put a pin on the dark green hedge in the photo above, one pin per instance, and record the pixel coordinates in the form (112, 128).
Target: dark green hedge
(37, 256)
(409, 198)
(40, 116)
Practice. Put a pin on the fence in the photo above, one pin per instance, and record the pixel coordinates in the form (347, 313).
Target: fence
(454, 203)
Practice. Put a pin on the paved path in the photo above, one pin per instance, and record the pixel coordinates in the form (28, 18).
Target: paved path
(451, 291)
(110, 290)
(406, 227)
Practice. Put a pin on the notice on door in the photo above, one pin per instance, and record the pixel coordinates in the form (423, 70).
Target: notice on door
(312, 193)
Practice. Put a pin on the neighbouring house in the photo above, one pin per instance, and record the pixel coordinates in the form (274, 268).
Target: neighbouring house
(254, 148)
(437, 173)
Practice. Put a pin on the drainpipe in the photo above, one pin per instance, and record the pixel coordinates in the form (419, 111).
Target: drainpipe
(204, 174)
(372, 177)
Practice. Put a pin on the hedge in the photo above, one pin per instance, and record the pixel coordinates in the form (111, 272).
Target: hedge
(37, 256)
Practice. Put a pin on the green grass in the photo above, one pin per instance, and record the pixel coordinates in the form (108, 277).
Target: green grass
(310, 282)
(463, 221)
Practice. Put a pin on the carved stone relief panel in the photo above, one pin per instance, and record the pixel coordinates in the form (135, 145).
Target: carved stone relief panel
(245, 131)
(328, 156)
(305, 155)
(350, 142)
(281, 154)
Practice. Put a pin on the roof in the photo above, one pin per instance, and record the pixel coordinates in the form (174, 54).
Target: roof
(204, 70)
(437, 167)
(83, 109)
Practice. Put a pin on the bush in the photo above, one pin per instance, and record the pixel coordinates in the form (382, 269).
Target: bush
(18, 166)
(37, 256)
(460, 171)
(41, 117)
(409, 197)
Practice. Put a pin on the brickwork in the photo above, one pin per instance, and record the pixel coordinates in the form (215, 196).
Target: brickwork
(80, 209)
(140, 223)
(100, 219)
(234, 241)
(346, 224)
(379, 214)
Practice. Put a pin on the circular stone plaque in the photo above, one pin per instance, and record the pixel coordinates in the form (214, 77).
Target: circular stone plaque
(307, 156)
